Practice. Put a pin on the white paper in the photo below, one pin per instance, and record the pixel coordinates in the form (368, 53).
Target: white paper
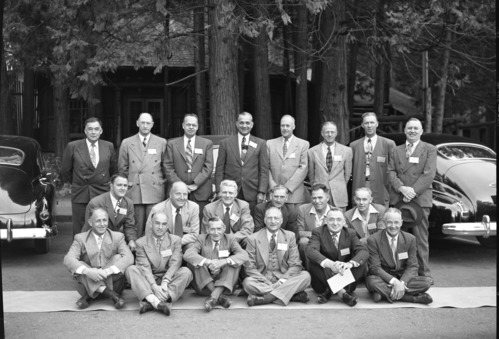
(337, 282)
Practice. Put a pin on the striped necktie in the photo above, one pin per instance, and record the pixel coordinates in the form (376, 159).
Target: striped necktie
(329, 159)
(408, 150)
(188, 155)
(93, 156)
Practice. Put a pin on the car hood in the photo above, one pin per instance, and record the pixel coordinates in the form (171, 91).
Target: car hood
(16, 191)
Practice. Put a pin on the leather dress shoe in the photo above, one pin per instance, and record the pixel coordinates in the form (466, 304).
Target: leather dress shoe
(118, 302)
(255, 300)
(301, 297)
(83, 302)
(323, 297)
(377, 297)
(349, 300)
(224, 301)
(164, 307)
(209, 303)
(423, 298)
(145, 306)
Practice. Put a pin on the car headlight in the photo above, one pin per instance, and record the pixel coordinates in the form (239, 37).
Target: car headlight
(463, 212)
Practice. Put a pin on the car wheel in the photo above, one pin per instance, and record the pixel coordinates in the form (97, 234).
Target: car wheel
(42, 246)
(490, 242)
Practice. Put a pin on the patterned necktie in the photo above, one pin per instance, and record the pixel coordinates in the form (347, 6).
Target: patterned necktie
(227, 220)
(408, 150)
(285, 147)
(272, 243)
(144, 142)
(393, 245)
(117, 210)
(216, 248)
(329, 159)
(369, 151)
(93, 156)
(178, 224)
(188, 155)
(158, 244)
(244, 148)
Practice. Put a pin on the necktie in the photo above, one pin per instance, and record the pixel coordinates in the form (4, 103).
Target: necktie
(215, 250)
(93, 156)
(178, 224)
(408, 150)
(335, 240)
(158, 244)
(117, 210)
(272, 243)
(393, 245)
(188, 155)
(144, 142)
(369, 151)
(285, 147)
(329, 159)
(99, 242)
(227, 220)
(244, 148)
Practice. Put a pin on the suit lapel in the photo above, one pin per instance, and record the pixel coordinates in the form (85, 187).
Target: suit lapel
(152, 251)
(170, 216)
(329, 244)
(251, 149)
(277, 145)
(320, 156)
(357, 225)
(84, 153)
(281, 238)
(179, 145)
(110, 210)
(386, 250)
(137, 148)
(263, 244)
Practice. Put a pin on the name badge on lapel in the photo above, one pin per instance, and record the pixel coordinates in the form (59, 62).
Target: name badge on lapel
(371, 226)
(414, 160)
(223, 253)
(292, 156)
(403, 256)
(380, 159)
(122, 211)
(166, 253)
(337, 158)
(198, 151)
(151, 151)
(234, 217)
(345, 251)
(282, 247)
(252, 144)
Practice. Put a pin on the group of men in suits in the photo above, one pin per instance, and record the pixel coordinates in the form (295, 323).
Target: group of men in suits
(274, 240)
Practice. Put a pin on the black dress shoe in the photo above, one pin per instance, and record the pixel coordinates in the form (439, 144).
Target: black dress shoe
(377, 297)
(209, 303)
(164, 307)
(323, 297)
(145, 307)
(423, 298)
(118, 302)
(83, 302)
(224, 301)
(255, 300)
(300, 297)
(349, 300)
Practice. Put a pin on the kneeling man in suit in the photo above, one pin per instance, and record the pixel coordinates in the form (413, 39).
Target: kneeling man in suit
(157, 278)
(274, 268)
(97, 259)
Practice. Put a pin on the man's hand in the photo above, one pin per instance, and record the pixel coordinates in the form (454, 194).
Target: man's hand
(217, 264)
(132, 245)
(192, 187)
(333, 266)
(158, 292)
(408, 192)
(94, 274)
(398, 290)
(260, 197)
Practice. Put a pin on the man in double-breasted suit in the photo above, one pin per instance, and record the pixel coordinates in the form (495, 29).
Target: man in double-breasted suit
(333, 248)
(370, 161)
(235, 213)
(289, 162)
(157, 278)
(330, 163)
(182, 214)
(244, 159)
(215, 260)
(366, 218)
(190, 159)
(97, 259)
(87, 164)
(274, 271)
(142, 159)
(119, 209)
(411, 170)
(393, 264)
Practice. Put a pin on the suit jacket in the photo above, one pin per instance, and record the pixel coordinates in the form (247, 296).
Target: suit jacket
(85, 252)
(203, 249)
(124, 221)
(306, 221)
(378, 168)
(289, 170)
(87, 182)
(374, 219)
(289, 217)
(381, 261)
(337, 180)
(252, 176)
(419, 176)
(258, 252)
(144, 168)
(202, 165)
(241, 221)
(159, 264)
(190, 219)
(321, 247)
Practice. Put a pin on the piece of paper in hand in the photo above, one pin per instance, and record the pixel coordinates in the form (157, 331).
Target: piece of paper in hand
(337, 282)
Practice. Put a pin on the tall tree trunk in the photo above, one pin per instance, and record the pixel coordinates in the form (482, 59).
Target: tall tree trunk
(286, 64)
(61, 117)
(301, 64)
(7, 125)
(224, 93)
(199, 65)
(440, 105)
(381, 64)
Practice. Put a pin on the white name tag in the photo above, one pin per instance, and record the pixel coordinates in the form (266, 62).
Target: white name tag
(122, 211)
(292, 156)
(234, 217)
(403, 255)
(151, 151)
(345, 251)
(381, 159)
(371, 226)
(337, 158)
(414, 160)
(223, 253)
(166, 253)
(252, 144)
(282, 247)
(198, 151)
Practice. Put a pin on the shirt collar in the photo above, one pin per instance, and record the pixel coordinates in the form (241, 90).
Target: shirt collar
(174, 210)
(373, 140)
(357, 215)
(389, 237)
(144, 137)
(414, 144)
(89, 144)
(97, 236)
(269, 236)
(186, 140)
(240, 137)
(313, 211)
(289, 139)
(324, 146)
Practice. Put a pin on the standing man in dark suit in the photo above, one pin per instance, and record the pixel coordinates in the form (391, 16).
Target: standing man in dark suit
(278, 198)
(97, 260)
(190, 159)
(88, 165)
(244, 159)
(333, 249)
(411, 170)
(330, 163)
(370, 161)
(142, 158)
(393, 264)
(119, 209)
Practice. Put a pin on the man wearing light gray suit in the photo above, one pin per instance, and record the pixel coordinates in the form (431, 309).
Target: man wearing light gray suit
(289, 162)
(274, 268)
(157, 277)
(330, 163)
(182, 214)
(142, 158)
(411, 171)
(370, 161)
(190, 159)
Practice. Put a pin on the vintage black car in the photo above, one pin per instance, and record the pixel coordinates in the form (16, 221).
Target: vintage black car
(27, 195)
(464, 188)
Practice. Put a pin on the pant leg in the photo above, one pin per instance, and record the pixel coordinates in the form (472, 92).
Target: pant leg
(87, 287)
(293, 285)
(319, 278)
(228, 278)
(359, 274)
(302, 245)
(376, 284)
(78, 216)
(140, 218)
(256, 286)
(420, 231)
(140, 286)
(418, 285)
(201, 278)
(181, 279)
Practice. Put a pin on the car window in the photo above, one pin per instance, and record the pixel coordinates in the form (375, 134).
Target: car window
(462, 151)
(11, 156)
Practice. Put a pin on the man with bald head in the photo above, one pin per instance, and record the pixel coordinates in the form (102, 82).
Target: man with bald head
(182, 214)
(141, 158)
